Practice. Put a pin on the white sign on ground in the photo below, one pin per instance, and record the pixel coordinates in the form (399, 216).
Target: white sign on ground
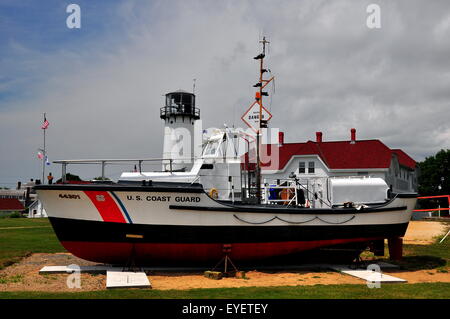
(368, 275)
(123, 279)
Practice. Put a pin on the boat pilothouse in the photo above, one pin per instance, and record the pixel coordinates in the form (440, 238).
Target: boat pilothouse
(193, 207)
(217, 168)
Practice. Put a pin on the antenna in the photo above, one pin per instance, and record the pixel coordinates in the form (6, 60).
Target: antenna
(264, 41)
(193, 85)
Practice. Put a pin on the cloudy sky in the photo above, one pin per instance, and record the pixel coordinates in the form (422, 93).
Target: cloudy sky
(102, 85)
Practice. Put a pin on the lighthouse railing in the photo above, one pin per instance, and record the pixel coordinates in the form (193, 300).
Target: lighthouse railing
(186, 110)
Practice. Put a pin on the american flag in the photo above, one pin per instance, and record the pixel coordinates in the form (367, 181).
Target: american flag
(45, 124)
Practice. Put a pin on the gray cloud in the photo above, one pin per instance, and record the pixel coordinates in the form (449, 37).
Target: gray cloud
(332, 73)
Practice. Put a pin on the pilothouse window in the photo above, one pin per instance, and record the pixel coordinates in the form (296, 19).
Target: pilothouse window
(211, 148)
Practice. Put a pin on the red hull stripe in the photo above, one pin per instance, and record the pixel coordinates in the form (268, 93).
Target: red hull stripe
(119, 252)
(106, 206)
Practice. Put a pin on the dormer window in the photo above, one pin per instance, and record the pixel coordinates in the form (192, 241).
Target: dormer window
(301, 168)
(310, 167)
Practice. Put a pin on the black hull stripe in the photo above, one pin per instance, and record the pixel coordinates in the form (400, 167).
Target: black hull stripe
(406, 195)
(95, 231)
(286, 210)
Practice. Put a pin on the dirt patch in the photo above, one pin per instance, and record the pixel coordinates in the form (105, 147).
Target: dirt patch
(424, 232)
(253, 279)
(24, 276)
(419, 276)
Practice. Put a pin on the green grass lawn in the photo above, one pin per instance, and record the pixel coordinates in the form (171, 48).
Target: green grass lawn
(387, 291)
(416, 257)
(20, 237)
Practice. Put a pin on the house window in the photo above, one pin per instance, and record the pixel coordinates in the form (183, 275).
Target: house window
(301, 167)
(311, 167)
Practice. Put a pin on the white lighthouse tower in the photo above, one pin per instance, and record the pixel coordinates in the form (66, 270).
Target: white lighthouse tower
(179, 115)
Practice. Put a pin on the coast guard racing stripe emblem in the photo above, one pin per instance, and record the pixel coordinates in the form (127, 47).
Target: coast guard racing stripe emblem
(109, 207)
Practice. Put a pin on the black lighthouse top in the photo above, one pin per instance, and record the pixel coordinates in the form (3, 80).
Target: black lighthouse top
(180, 103)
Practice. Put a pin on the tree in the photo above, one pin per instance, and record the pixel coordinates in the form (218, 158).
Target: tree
(434, 178)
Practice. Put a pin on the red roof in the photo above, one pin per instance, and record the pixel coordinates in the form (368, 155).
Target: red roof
(339, 154)
(11, 204)
(404, 159)
(361, 154)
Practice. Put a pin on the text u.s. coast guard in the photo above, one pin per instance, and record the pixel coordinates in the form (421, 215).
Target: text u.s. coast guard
(158, 198)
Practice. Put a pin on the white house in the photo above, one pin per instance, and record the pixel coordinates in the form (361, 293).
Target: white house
(340, 158)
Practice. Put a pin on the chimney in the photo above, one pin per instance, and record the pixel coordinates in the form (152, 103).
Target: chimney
(319, 137)
(19, 184)
(353, 136)
(280, 138)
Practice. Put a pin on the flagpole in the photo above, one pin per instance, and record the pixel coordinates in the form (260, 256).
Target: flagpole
(43, 158)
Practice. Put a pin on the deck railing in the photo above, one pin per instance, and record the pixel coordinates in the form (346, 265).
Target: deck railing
(104, 162)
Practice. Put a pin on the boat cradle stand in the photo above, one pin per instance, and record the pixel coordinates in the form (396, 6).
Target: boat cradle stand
(226, 260)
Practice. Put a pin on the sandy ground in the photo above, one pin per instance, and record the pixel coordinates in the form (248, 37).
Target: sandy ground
(25, 274)
(424, 232)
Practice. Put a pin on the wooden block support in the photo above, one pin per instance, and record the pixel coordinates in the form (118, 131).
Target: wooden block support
(240, 274)
(216, 275)
(395, 248)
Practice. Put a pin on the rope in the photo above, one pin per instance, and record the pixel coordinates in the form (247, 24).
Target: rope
(254, 222)
(291, 222)
(338, 222)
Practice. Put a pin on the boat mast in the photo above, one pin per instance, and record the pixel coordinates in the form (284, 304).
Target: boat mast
(262, 123)
(45, 154)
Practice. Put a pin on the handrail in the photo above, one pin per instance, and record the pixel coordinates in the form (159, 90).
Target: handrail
(103, 162)
(99, 161)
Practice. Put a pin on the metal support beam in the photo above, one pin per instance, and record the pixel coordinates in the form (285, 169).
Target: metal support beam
(64, 169)
(103, 170)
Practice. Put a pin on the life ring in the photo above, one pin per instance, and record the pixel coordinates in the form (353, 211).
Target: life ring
(213, 193)
(287, 194)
